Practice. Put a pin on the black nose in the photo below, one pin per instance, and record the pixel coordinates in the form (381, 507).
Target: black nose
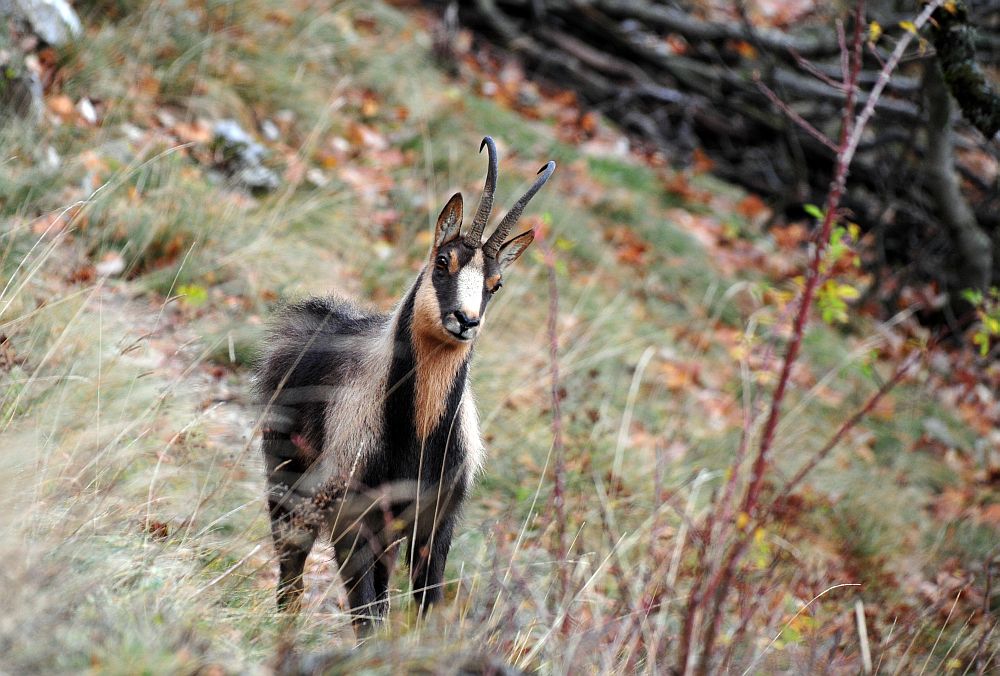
(465, 321)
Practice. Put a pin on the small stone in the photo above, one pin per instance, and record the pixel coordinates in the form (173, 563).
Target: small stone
(242, 157)
(111, 265)
(257, 178)
(132, 132)
(87, 111)
(317, 177)
(340, 144)
(52, 159)
(54, 21)
(270, 130)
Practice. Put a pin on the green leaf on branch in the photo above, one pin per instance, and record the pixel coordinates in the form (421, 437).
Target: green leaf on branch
(831, 299)
(974, 296)
(814, 211)
(988, 313)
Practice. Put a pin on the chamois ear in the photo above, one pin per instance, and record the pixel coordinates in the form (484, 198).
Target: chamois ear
(449, 223)
(510, 251)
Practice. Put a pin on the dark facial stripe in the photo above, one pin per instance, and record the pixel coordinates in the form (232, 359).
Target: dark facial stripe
(447, 284)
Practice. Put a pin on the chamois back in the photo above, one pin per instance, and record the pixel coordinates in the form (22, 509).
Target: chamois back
(310, 348)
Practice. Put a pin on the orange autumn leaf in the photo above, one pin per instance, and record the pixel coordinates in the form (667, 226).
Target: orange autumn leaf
(790, 237)
(588, 123)
(369, 105)
(745, 49)
(630, 249)
(364, 136)
(702, 162)
(676, 44)
(991, 514)
(195, 132)
(62, 106)
(676, 377)
(678, 184)
(752, 207)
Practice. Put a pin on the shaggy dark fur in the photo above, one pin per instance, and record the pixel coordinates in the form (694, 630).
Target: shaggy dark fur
(312, 348)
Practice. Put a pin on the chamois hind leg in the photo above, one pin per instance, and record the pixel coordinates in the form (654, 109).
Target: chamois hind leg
(292, 542)
(292, 545)
(429, 553)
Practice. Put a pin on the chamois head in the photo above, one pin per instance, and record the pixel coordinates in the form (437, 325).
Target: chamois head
(464, 272)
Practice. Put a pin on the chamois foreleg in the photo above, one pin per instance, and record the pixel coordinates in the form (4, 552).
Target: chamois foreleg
(430, 552)
(434, 514)
(363, 537)
(357, 557)
(382, 574)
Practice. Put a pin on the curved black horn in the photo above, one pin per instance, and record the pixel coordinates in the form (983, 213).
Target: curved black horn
(475, 235)
(496, 240)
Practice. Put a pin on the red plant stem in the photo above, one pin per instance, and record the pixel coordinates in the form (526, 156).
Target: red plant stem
(812, 275)
(718, 588)
(850, 136)
(559, 466)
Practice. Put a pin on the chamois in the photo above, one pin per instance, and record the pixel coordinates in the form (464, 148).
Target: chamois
(379, 406)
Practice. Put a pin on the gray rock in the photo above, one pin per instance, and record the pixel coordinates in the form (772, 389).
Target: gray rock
(938, 431)
(20, 94)
(52, 20)
(270, 130)
(257, 178)
(242, 158)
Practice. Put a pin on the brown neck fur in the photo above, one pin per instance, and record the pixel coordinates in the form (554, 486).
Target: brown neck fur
(438, 360)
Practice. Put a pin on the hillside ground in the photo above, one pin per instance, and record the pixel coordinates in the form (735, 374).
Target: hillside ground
(137, 280)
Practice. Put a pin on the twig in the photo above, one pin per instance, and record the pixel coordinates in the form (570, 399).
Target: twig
(847, 426)
(798, 119)
(866, 650)
(559, 464)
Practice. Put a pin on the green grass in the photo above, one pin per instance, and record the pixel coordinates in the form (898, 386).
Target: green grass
(140, 542)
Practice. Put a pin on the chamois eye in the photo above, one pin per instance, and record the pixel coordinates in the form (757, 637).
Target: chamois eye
(497, 287)
(441, 263)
